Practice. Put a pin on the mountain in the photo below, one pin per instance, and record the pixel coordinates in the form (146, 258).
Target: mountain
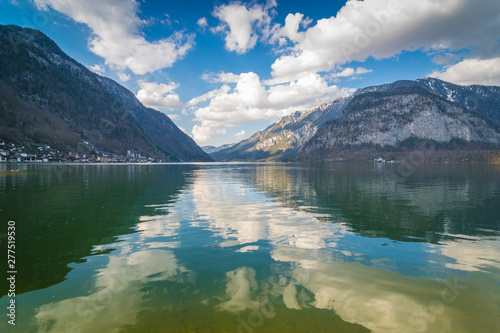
(484, 100)
(47, 97)
(396, 117)
(214, 149)
(287, 138)
(160, 130)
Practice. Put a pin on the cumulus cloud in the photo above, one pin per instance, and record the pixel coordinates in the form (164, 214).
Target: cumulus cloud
(350, 72)
(384, 28)
(116, 34)
(249, 100)
(173, 116)
(123, 77)
(202, 22)
(97, 68)
(445, 58)
(290, 31)
(206, 133)
(159, 95)
(209, 95)
(240, 134)
(472, 71)
(242, 25)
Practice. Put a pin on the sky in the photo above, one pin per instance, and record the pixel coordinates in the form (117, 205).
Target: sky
(223, 70)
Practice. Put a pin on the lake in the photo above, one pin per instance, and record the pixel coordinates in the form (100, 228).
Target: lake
(332, 247)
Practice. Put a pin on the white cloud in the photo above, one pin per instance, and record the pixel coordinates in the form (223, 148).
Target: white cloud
(240, 134)
(202, 22)
(209, 95)
(206, 133)
(242, 25)
(303, 93)
(221, 77)
(251, 101)
(159, 95)
(290, 30)
(116, 34)
(350, 72)
(173, 116)
(384, 28)
(445, 58)
(123, 77)
(472, 71)
(98, 69)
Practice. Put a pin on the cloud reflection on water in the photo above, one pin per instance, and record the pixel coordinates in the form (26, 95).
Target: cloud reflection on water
(328, 265)
(378, 299)
(119, 292)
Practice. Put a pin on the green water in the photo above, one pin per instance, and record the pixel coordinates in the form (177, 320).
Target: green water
(252, 248)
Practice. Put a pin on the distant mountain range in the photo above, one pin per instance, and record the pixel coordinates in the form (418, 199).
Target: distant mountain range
(47, 97)
(214, 149)
(383, 118)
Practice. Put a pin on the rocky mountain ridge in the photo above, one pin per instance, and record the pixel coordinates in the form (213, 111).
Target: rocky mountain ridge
(389, 118)
(480, 105)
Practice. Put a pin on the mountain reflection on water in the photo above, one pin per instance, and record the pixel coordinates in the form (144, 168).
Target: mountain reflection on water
(256, 248)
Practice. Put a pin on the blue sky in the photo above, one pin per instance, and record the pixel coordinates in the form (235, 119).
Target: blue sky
(223, 70)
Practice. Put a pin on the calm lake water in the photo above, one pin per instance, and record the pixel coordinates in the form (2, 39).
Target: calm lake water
(253, 248)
